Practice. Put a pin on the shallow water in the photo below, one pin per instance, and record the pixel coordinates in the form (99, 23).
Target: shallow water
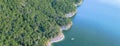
(95, 24)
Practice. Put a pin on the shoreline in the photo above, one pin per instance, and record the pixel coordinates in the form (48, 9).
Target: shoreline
(71, 14)
(78, 4)
(66, 27)
(61, 36)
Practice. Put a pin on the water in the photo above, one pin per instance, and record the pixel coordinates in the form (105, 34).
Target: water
(96, 24)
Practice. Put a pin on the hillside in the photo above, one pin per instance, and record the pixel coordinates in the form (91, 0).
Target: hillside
(32, 22)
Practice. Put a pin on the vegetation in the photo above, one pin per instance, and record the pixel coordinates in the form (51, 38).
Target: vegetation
(32, 22)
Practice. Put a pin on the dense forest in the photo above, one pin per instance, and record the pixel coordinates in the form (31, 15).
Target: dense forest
(32, 22)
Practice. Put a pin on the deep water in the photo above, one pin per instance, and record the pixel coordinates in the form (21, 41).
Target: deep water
(95, 24)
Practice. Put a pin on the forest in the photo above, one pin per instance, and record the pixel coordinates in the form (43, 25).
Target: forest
(32, 22)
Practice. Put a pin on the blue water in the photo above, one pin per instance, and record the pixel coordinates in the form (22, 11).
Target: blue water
(95, 24)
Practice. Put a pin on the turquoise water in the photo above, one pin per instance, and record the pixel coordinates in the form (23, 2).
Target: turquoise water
(95, 24)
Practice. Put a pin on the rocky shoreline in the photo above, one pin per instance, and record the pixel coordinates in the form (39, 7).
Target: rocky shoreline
(67, 26)
(61, 36)
(71, 14)
(78, 4)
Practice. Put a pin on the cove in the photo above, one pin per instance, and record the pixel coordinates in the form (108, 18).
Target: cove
(95, 24)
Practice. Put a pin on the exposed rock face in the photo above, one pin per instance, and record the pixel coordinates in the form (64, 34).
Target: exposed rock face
(71, 14)
(78, 4)
(60, 37)
(66, 27)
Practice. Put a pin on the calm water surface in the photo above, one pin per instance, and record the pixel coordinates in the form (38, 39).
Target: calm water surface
(95, 24)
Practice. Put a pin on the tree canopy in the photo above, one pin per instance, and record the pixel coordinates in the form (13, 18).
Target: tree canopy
(32, 22)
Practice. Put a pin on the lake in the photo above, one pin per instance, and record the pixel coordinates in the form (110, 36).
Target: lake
(97, 23)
